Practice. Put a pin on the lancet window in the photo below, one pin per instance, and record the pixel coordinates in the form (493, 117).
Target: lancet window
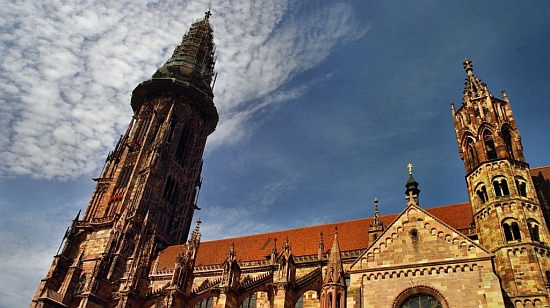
(205, 303)
(181, 150)
(489, 145)
(472, 158)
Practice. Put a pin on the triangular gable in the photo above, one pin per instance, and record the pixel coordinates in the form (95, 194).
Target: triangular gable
(417, 237)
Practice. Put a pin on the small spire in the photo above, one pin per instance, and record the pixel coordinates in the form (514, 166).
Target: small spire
(411, 194)
(321, 250)
(376, 224)
(504, 96)
(232, 255)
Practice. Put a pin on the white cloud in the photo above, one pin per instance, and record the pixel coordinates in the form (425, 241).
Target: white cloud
(68, 69)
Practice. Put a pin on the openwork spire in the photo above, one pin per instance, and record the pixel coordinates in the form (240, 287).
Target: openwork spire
(193, 60)
(474, 88)
(335, 269)
(376, 224)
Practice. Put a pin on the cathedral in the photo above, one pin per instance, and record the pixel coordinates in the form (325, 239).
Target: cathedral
(135, 245)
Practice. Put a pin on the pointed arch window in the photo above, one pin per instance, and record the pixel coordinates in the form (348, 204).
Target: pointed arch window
(473, 160)
(205, 303)
(249, 302)
(490, 148)
(171, 190)
(501, 187)
(183, 145)
(80, 286)
(507, 137)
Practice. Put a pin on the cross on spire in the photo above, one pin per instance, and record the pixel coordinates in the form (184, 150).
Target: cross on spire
(411, 194)
(411, 197)
(207, 14)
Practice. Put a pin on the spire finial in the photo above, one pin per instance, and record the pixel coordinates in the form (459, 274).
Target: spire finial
(207, 14)
(468, 66)
(410, 166)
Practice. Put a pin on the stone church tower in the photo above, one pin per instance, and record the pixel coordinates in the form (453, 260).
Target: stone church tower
(507, 214)
(146, 195)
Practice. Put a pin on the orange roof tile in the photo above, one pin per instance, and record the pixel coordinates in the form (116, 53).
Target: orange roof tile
(352, 235)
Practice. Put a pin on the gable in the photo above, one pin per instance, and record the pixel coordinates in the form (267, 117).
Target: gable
(417, 237)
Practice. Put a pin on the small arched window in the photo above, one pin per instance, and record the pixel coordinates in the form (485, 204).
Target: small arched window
(501, 187)
(533, 226)
(511, 230)
(481, 192)
(489, 144)
(521, 186)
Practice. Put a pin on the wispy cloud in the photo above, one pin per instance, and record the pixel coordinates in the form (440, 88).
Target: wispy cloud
(68, 69)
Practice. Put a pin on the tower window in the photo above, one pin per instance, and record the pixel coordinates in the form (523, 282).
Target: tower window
(521, 186)
(508, 142)
(489, 145)
(182, 146)
(472, 159)
(501, 187)
(481, 192)
(533, 226)
(511, 230)
(170, 190)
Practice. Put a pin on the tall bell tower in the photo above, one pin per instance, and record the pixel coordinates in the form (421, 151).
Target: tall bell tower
(146, 195)
(507, 214)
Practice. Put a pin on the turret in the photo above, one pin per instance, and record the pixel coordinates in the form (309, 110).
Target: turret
(507, 213)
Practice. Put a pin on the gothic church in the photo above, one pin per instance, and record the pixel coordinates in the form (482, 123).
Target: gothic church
(131, 249)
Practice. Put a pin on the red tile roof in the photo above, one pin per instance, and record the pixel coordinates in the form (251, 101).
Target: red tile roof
(352, 235)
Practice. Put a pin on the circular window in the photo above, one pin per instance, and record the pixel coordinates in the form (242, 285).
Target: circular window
(421, 301)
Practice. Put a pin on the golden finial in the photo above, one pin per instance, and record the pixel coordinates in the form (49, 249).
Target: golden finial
(410, 166)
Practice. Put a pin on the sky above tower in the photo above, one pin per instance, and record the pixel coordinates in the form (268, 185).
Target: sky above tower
(322, 105)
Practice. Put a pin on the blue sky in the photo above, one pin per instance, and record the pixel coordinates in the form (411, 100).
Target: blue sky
(322, 105)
